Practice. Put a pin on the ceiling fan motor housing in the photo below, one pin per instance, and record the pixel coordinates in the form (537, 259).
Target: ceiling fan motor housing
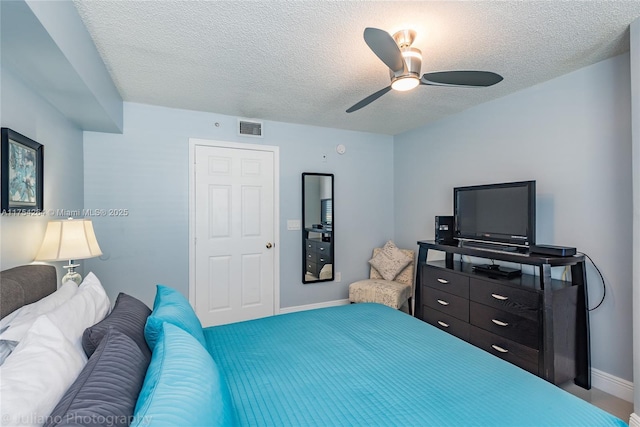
(413, 60)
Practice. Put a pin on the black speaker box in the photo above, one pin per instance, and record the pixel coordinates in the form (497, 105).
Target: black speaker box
(444, 229)
(552, 250)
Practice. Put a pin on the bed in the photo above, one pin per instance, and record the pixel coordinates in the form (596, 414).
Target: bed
(361, 364)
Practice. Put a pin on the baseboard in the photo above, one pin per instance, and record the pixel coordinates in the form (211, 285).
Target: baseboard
(634, 420)
(334, 303)
(612, 385)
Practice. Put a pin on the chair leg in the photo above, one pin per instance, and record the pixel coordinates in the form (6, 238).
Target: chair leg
(410, 302)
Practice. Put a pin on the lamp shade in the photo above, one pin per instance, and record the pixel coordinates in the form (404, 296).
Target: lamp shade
(69, 239)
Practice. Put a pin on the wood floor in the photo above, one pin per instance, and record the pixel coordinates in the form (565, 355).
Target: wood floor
(612, 404)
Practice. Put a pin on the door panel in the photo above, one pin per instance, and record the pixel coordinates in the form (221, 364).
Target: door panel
(234, 222)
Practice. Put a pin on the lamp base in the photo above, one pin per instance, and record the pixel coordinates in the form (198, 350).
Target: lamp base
(72, 274)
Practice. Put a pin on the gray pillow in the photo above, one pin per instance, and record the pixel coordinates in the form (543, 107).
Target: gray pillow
(128, 316)
(106, 391)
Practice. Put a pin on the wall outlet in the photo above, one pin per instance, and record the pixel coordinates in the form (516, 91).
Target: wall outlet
(338, 277)
(293, 224)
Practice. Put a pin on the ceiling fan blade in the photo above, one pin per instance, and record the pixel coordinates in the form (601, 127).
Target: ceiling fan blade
(369, 99)
(461, 78)
(385, 48)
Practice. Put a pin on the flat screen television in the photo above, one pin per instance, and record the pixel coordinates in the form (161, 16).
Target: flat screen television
(496, 213)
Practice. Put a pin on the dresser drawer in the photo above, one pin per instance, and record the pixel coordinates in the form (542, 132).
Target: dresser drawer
(311, 245)
(323, 247)
(511, 351)
(514, 300)
(445, 280)
(323, 258)
(311, 256)
(447, 323)
(504, 324)
(312, 268)
(446, 303)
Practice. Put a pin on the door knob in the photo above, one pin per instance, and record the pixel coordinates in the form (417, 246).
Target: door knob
(269, 245)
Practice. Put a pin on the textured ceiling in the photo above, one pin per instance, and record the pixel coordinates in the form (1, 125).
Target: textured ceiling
(306, 61)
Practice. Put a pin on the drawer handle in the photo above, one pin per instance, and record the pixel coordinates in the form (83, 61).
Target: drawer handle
(322, 249)
(443, 281)
(500, 349)
(441, 302)
(499, 322)
(321, 259)
(500, 297)
(444, 325)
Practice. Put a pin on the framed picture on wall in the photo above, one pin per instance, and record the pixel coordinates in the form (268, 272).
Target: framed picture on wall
(21, 173)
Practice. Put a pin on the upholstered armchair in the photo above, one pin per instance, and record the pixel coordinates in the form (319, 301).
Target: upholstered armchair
(391, 283)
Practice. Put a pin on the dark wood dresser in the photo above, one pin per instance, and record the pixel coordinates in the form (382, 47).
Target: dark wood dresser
(318, 253)
(533, 321)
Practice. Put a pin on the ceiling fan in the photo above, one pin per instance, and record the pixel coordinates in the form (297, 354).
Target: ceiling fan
(404, 64)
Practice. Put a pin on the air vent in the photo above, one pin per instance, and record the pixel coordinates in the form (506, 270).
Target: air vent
(249, 128)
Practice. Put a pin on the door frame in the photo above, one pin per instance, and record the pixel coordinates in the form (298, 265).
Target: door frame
(193, 142)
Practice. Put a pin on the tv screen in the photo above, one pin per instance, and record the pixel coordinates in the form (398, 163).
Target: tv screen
(499, 213)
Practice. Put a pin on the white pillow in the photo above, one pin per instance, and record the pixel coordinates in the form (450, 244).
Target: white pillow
(37, 374)
(6, 347)
(86, 308)
(15, 325)
(32, 311)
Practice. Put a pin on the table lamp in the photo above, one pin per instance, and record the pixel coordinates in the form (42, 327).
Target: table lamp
(69, 239)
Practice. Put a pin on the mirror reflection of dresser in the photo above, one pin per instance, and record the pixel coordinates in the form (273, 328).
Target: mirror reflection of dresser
(318, 255)
(317, 227)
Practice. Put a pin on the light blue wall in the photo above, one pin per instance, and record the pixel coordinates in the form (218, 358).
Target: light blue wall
(63, 24)
(145, 170)
(570, 134)
(28, 113)
(48, 46)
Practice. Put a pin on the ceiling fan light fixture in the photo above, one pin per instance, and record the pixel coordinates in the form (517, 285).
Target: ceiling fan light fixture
(410, 78)
(404, 83)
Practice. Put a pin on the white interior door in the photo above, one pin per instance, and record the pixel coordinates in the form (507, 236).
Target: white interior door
(234, 230)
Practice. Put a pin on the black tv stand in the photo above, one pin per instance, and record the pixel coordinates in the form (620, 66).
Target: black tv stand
(534, 321)
(492, 270)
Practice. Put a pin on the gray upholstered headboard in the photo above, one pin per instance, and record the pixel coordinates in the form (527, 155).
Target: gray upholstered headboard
(25, 284)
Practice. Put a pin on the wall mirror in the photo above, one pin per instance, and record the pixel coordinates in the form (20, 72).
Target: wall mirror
(317, 227)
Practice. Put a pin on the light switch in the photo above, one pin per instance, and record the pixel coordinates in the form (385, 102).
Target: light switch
(293, 224)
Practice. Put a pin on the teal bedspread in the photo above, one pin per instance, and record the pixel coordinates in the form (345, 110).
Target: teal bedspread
(369, 365)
